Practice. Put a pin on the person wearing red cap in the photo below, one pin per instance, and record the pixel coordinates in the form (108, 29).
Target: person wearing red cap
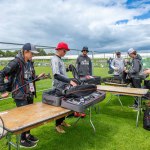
(60, 78)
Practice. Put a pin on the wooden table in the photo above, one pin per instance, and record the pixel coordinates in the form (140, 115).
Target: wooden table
(24, 118)
(116, 84)
(126, 91)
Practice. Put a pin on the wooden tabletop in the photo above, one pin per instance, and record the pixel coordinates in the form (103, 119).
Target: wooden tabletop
(123, 90)
(115, 84)
(26, 117)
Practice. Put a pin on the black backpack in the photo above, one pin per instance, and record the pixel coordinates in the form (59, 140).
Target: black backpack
(146, 119)
(9, 80)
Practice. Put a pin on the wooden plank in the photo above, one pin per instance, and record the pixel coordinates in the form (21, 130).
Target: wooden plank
(123, 90)
(115, 84)
(26, 116)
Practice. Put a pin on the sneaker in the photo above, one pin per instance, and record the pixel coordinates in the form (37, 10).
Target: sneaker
(65, 124)
(32, 138)
(83, 115)
(59, 129)
(133, 106)
(27, 144)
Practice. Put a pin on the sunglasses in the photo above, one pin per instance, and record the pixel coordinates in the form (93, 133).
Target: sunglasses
(65, 51)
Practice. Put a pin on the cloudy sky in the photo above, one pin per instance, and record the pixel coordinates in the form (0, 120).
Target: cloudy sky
(102, 25)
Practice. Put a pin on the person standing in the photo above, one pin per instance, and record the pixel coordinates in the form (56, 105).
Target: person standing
(109, 61)
(134, 71)
(118, 64)
(84, 69)
(22, 70)
(61, 80)
(84, 64)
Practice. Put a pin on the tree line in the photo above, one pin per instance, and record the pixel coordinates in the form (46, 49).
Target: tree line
(10, 53)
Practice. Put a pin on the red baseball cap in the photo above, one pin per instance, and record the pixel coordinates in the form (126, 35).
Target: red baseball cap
(62, 45)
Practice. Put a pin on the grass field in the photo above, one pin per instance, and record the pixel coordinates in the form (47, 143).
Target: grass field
(115, 128)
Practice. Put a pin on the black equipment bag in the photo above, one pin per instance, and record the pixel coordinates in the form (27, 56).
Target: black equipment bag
(80, 90)
(79, 104)
(147, 84)
(50, 97)
(94, 80)
(146, 119)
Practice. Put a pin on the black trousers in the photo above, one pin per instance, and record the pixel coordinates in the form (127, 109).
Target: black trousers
(136, 83)
(59, 121)
(20, 103)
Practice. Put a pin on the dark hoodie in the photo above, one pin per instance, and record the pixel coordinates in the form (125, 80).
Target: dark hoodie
(16, 69)
(84, 65)
(136, 66)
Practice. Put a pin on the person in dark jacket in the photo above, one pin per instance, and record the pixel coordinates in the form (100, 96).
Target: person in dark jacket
(84, 64)
(61, 80)
(84, 69)
(22, 70)
(134, 71)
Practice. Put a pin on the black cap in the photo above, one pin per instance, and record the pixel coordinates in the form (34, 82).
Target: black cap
(85, 48)
(30, 47)
(118, 52)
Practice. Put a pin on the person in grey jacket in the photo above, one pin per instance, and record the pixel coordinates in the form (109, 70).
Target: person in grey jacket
(118, 64)
(61, 80)
(84, 64)
(134, 71)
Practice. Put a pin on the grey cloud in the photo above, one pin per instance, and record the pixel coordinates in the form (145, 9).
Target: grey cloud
(79, 23)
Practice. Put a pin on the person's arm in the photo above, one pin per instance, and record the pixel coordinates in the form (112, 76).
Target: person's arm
(113, 64)
(7, 71)
(62, 78)
(56, 71)
(135, 68)
(77, 64)
(90, 67)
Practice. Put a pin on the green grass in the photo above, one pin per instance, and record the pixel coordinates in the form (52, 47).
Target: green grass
(115, 128)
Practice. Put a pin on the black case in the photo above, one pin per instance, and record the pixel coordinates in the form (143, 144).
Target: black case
(80, 104)
(95, 80)
(49, 97)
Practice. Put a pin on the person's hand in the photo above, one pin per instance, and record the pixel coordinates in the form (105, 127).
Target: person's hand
(73, 83)
(116, 69)
(126, 71)
(147, 71)
(4, 95)
(41, 75)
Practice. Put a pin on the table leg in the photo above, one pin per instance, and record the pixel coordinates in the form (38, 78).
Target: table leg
(97, 108)
(139, 111)
(109, 98)
(120, 101)
(77, 121)
(18, 141)
(91, 121)
(9, 140)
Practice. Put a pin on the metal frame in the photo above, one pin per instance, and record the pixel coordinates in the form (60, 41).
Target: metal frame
(118, 97)
(90, 119)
